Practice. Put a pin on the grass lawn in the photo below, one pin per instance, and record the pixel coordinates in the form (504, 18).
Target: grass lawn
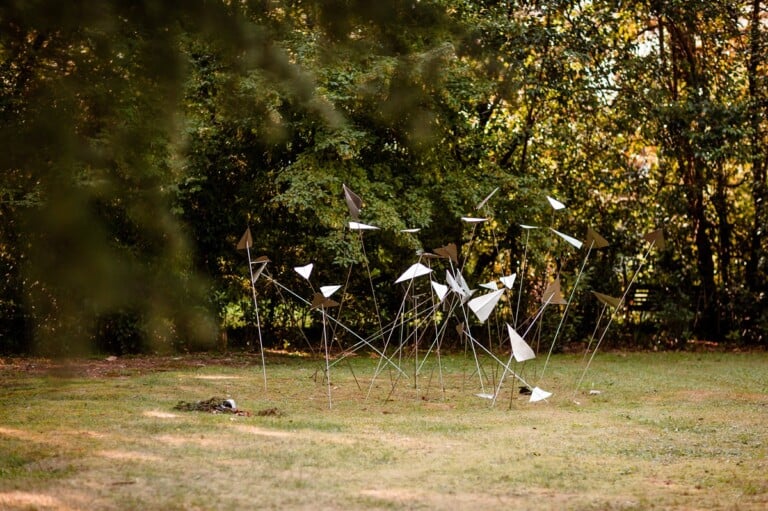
(666, 431)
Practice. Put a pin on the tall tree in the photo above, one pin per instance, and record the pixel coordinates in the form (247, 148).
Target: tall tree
(87, 123)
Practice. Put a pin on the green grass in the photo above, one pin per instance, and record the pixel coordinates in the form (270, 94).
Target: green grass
(667, 431)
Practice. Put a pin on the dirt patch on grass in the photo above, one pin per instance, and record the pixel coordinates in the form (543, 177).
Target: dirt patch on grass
(299, 435)
(272, 433)
(199, 440)
(43, 438)
(46, 438)
(700, 396)
(27, 500)
(124, 366)
(128, 455)
(160, 415)
(546, 499)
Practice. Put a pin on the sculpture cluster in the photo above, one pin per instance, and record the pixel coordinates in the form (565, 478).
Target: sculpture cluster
(449, 299)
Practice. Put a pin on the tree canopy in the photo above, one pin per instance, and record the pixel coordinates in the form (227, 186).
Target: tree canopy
(142, 138)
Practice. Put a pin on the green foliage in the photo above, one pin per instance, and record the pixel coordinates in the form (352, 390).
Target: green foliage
(142, 138)
(87, 122)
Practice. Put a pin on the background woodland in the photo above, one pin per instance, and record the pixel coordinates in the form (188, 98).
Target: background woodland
(141, 138)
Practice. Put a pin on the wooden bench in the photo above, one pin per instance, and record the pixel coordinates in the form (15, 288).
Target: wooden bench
(643, 299)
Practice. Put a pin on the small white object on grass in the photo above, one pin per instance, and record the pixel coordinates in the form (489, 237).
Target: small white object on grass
(538, 394)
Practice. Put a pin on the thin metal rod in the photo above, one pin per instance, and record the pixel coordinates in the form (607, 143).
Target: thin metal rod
(522, 275)
(511, 354)
(565, 312)
(258, 319)
(365, 342)
(613, 315)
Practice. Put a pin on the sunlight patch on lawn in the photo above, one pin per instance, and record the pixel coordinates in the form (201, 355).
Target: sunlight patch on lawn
(465, 500)
(128, 455)
(255, 430)
(177, 440)
(160, 415)
(27, 500)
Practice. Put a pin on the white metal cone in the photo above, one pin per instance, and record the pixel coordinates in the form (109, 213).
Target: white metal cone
(556, 204)
(455, 287)
(329, 290)
(482, 306)
(463, 283)
(416, 270)
(305, 271)
(509, 280)
(520, 349)
(440, 290)
(570, 239)
(458, 285)
(357, 226)
(539, 395)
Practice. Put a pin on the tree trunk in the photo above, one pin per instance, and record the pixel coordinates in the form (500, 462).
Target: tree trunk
(724, 227)
(708, 325)
(758, 154)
